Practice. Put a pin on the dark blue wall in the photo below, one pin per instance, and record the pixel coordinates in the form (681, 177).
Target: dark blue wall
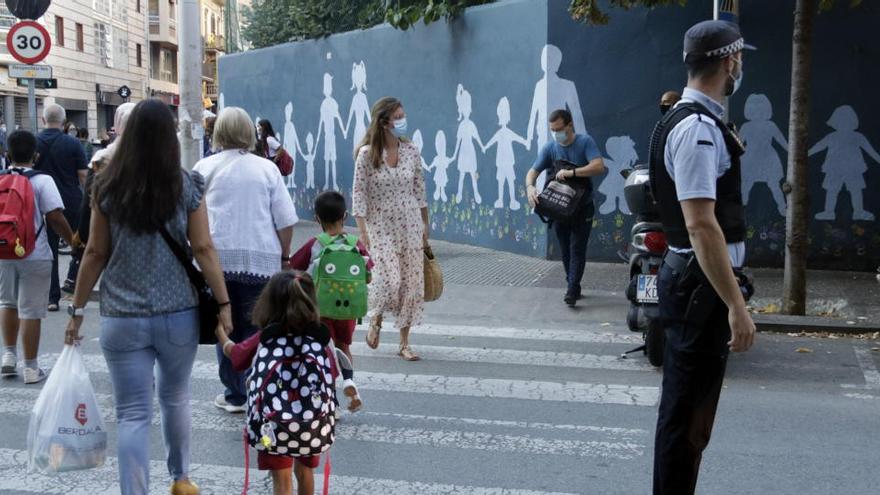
(618, 72)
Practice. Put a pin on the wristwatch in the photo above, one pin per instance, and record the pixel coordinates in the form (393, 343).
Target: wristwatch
(73, 311)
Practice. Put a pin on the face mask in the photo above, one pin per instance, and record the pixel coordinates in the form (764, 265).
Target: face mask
(560, 136)
(399, 127)
(664, 109)
(737, 82)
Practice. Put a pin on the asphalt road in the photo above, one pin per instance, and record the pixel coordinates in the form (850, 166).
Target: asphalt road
(518, 395)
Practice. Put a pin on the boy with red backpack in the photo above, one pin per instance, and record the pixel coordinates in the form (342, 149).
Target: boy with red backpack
(29, 200)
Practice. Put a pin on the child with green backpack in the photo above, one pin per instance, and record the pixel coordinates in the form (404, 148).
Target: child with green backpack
(340, 266)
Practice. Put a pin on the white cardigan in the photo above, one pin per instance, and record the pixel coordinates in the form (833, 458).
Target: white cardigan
(247, 204)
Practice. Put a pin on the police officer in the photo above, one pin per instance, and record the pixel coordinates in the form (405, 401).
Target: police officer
(695, 175)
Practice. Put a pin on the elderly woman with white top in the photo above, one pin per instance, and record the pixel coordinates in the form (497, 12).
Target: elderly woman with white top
(251, 217)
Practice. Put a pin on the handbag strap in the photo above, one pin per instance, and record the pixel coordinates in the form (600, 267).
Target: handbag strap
(195, 276)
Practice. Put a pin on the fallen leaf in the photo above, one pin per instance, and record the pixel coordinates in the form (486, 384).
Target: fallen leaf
(803, 350)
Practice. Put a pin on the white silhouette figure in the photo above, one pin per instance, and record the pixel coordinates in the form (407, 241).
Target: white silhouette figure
(844, 163)
(761, 162)
(291, 141)
(504, 157)
(329, 117)
(309, 157)
(552, 93)
(465, 153)
(622, 155)
(419, 143)
(360, 107)
(439, 165)
(221, 103)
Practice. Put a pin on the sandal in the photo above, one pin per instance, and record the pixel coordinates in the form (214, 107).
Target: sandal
(373, 333)
(407, 353)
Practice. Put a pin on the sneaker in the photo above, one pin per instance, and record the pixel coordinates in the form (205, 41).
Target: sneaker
(8, 368)
(354, 400)
(32, 376)
(53, 307)
(220, 402)
(570, 299)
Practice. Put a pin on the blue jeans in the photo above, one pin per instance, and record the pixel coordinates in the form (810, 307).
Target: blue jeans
(242, 297)
(573, 237)
(132, 347)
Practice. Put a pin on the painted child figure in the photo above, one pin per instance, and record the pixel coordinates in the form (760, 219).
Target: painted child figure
(465, 154)
(309, 157)
(844, 164)
(420, 143)
(439, 165)
(622, 153)
(291, 142)
(504, 158)
(331, 213)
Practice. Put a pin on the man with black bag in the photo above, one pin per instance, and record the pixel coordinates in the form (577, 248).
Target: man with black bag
(695, 176)
(562, 157)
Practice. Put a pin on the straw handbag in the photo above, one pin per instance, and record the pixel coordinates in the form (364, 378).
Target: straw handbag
(433, 277)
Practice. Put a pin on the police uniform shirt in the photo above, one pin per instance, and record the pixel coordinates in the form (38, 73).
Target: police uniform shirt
(696, 157)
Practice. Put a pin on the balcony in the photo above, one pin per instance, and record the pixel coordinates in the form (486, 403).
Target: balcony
(212, 90)
(209, 70)
(215, 42)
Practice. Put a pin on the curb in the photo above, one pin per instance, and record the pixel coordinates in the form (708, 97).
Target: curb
(812, 324)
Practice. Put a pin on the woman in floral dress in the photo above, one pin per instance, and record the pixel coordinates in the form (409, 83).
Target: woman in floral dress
(389, 204)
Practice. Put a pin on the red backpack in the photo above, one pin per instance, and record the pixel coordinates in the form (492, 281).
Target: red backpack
(18, 236)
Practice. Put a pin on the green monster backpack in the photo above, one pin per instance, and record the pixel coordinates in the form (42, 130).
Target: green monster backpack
(341, 279)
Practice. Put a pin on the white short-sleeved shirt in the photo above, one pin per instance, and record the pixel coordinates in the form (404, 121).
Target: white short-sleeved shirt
(247, 204)
(46, 199)
(696, 157)
(273, 146)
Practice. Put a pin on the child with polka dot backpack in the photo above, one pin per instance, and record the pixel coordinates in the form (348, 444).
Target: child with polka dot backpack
(291, 401)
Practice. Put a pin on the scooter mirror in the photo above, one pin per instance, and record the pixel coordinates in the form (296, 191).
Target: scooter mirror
(625, 172)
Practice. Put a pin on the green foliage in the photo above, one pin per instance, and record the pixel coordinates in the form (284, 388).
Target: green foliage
(404, 14)
(588, 11)
(270, 22)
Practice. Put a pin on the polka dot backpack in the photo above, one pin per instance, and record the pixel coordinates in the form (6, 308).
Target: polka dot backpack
(291, 401)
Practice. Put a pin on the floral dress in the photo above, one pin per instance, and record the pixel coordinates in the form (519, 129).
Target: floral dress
(390, 200)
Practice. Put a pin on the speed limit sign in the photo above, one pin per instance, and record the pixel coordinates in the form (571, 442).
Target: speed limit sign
(28, 42)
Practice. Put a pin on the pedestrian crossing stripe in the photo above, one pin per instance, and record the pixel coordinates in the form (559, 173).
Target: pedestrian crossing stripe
(492, 388)
(603, 443)
(584, 335)
(213, 480)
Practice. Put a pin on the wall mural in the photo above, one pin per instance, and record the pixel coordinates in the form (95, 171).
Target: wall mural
(467, 127)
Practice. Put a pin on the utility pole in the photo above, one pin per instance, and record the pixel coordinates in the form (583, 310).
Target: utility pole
(190, 111)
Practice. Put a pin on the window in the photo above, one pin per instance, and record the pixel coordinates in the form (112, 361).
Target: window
(102, 7)
(7, 20)
(59, 30)
(120, 10)
(80, 38)
(169, 65)
(103, 44)
(140, 55)
(120, 49)
(137, 6)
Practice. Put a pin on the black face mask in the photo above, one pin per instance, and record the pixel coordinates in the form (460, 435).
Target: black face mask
(664, 108)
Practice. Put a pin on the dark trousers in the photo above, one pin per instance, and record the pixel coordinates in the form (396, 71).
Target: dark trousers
(693, 371)
(242, 297)
(573, 237)
(72, 216)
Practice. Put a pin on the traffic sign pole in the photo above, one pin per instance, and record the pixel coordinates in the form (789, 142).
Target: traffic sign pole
(32, 104)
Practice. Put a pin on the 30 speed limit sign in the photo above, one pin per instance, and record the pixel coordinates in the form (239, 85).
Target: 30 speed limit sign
(28, 42)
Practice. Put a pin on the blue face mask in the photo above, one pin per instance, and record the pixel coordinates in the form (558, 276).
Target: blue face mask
(399, 127)
(560, 136)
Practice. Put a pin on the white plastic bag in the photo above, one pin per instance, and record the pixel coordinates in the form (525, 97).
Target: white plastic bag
(67, 431)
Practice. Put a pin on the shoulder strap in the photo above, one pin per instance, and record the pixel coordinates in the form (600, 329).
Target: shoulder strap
(195, 277)
(324, 239)
(351, 240)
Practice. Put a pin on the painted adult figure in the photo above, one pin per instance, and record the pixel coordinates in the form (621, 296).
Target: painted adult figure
(574, 233)
(251, 216)
(696, 179)
(391, 210)
(61, 156)
(149, 310)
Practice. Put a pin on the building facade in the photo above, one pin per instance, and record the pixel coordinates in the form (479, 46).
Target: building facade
(98, 46)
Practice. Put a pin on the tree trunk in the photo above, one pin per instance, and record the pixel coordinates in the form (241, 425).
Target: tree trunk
(794, 291)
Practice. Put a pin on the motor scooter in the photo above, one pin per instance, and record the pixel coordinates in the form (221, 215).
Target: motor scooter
(645, 251)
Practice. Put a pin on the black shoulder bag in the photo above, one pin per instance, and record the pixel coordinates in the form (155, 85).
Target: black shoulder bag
(560, 201)
(209, 309)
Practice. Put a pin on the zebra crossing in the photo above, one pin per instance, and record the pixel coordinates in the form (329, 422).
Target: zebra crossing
(476, 419)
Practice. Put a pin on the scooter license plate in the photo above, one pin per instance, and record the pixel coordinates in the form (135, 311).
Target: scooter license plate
(646, 289)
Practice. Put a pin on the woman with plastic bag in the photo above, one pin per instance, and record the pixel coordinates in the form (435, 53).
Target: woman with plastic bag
(148, 306)
(67, 429)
